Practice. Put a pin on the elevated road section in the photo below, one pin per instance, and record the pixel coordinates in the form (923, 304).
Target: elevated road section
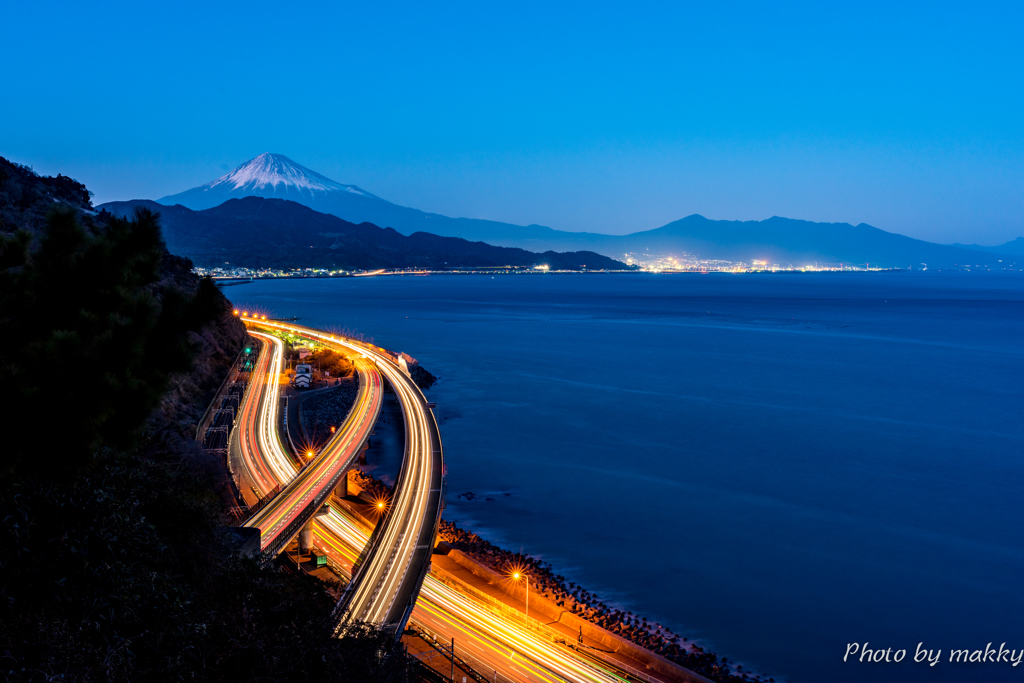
(388, 579)
(305, 493)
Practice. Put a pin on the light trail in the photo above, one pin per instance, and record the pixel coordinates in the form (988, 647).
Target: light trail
(277, 521)
(386, 584)
(268, 436)
(442, 609)
(385, 570)
(246, 443)
(502, 645)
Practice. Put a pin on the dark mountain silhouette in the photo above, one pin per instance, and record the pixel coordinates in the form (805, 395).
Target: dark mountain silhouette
(277, 233)
(785, 240)
(1011, 248)
(25, 197)
(778, 240)
(275, 176)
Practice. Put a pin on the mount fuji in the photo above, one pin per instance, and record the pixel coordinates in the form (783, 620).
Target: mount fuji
(275, 176)
(271, 176)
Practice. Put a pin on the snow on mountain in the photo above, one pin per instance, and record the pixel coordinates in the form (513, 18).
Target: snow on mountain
(269, 176)
(271, 170)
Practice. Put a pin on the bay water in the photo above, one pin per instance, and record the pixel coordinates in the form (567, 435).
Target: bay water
(775, 465)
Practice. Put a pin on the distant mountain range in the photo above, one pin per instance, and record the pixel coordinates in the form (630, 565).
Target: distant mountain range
(777, 240)
(1013, 248)
(256, 232)
(783, 240)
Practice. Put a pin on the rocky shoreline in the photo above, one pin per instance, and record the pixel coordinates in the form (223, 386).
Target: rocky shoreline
(633, 627)
(636, 628)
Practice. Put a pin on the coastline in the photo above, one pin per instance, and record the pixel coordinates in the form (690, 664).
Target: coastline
(645, 641)
(631, 635)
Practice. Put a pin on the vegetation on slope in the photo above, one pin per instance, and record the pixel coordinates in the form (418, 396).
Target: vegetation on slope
(115, 563)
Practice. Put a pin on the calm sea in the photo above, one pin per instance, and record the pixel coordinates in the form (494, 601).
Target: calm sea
(775, 465)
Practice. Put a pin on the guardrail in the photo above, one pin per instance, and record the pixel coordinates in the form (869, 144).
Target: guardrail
(233, 370)
(244, 513)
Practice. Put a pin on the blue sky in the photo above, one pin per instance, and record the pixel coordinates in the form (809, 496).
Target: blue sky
(603, 117)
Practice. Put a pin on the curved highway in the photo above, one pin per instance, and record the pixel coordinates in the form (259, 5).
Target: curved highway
(387, 581)
(260, 444)
(245, 444)
(495, 644)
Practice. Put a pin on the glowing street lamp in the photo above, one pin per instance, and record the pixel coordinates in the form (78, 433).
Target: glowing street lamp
(380, 505)
(516, 575)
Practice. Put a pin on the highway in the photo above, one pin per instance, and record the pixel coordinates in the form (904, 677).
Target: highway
(503, 648)
(495, 645)
(245, 444)
(388, 579)
(260, 444)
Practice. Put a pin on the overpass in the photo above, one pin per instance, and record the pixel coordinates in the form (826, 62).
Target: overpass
(303, 494)
(387, 580)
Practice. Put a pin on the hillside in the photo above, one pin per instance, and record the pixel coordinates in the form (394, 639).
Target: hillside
(25, 198)
(277, 233)
(115, 564)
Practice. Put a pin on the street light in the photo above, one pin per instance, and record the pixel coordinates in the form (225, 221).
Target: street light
(516, 575)
(380, 504)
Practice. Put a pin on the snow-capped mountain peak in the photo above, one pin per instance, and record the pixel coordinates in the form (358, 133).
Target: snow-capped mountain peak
(275, 176)
(275, 172)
